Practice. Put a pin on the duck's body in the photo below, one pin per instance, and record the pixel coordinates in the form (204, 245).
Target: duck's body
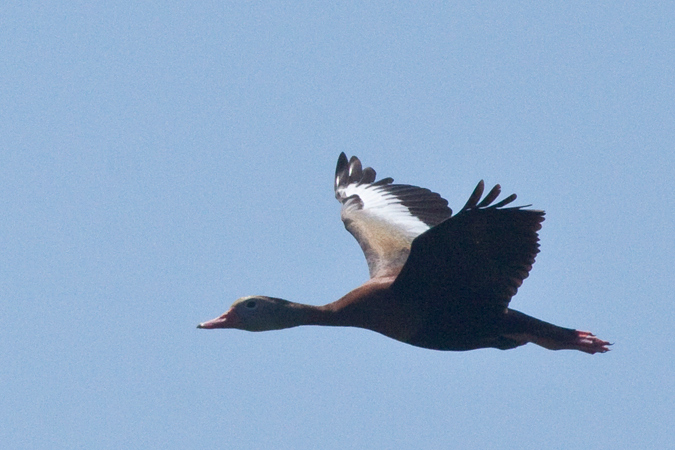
(437, 281)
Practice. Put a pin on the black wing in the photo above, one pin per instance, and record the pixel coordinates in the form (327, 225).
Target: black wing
(475, 261)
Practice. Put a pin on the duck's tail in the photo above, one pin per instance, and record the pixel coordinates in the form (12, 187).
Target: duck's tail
(523, 329)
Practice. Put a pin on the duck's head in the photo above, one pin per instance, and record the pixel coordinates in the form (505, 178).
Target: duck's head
(255, 313)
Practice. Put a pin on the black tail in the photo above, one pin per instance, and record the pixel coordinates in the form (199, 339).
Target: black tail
(522, 329)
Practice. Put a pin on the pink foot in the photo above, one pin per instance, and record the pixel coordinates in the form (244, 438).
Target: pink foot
(587, 342)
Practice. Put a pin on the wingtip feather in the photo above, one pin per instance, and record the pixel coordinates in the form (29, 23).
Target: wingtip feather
(341, 172)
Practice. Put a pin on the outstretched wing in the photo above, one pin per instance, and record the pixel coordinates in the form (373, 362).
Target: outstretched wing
(384, 217)
(474, 262)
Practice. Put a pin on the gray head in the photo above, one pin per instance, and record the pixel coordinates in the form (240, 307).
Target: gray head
(256, 313)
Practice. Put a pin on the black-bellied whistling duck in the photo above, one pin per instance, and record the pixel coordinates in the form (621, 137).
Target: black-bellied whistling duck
(437, 281)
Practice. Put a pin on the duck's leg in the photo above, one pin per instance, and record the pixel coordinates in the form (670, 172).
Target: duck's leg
(523, 328)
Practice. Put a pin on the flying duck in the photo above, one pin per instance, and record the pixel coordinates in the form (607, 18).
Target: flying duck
(437, 280)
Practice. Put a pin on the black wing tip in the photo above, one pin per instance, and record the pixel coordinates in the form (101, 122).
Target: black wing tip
(341, 162)
(477, 193)
(475, 202)
(341, 171)
(351, 171)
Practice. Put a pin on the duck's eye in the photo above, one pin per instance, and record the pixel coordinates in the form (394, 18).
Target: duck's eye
(251, 304)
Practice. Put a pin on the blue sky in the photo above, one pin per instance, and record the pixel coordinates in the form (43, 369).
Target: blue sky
(159, 160)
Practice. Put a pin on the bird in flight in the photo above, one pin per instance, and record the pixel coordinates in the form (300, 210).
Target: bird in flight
(437, 280)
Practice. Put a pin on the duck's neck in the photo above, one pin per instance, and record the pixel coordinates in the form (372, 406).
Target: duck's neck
(364, 307)
(296, 314)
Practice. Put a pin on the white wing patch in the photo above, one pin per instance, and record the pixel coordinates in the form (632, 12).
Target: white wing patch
(383, 206)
